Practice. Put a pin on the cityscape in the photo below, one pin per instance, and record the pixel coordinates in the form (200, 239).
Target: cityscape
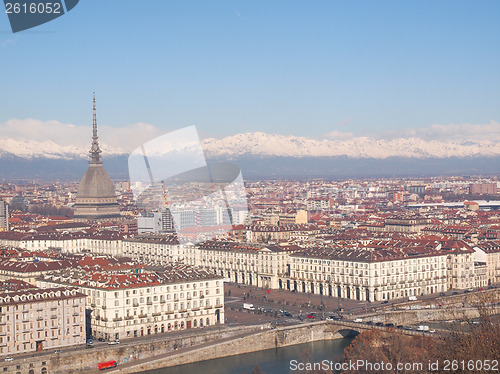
(265, 187)
(84, 270)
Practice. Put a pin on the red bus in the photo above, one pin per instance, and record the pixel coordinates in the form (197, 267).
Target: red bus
(106, 365)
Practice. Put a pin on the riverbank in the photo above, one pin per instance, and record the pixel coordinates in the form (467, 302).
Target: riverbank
(81, 360)
(172, 349)
(268, 361)
(247, 343)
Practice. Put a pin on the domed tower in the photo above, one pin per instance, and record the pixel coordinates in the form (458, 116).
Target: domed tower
(96, 196)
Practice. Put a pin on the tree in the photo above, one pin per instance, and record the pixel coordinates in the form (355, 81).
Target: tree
(467, 345)
(389, 347)
(477, 341)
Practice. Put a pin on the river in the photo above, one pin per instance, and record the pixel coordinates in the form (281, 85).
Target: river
(270, 361)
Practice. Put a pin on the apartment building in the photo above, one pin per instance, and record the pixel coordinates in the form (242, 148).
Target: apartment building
(252, 264)
(266, 233)
(29, 271)
(489, 253)
(126, 305)
(154, 248)
(460, 265)
(98, 242)
(369, 272)
(37, 319)
(406, 223)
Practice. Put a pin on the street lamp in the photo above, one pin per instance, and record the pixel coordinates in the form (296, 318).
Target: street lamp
(322, 307)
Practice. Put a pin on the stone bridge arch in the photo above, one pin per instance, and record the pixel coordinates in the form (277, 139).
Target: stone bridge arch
(346, 333)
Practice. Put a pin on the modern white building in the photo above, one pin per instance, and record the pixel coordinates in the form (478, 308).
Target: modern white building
(4, 216)
(151, 222)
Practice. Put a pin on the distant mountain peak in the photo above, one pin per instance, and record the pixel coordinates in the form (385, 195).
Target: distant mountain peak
(262, 144)
(28, 149)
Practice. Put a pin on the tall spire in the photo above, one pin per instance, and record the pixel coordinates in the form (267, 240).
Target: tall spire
(95, 150)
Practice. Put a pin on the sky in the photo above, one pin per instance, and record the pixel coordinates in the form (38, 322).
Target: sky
(318, 69)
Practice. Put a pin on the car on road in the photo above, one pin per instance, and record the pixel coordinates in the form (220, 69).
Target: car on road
(114, 342)
(333, 318)
(379, 324)
(8, 359)
(101, 339)
(311, 315)
(408, 328)
(264, 310)
(286, 314)
(369, 323)
(248, 306)
(389, 325)
(491, 287)
(358, 320)
(455, 293)
(58, 351)
(89, 341)
(385, 302)
(400, 327)
(432, 331)
(442, 294)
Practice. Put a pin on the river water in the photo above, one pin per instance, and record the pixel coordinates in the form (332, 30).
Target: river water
(271, 361)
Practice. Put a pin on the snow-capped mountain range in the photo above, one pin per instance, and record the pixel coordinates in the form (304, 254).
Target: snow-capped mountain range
(28, 149)
(262, 144)
(259, 144)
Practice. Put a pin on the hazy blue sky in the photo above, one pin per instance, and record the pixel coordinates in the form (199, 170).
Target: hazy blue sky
(305, 68)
